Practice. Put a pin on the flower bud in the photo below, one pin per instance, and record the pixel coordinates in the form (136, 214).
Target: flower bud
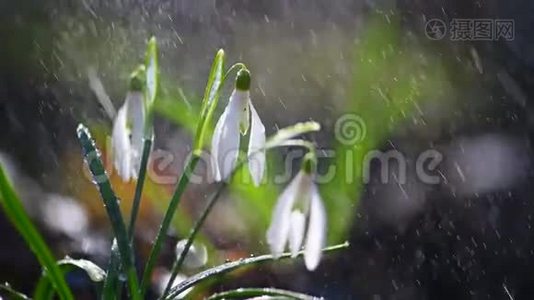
(137, 79)
(242, 80)
(309, 163)
(196, 257)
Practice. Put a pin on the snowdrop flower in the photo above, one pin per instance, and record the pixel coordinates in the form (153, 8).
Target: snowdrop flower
(235, 121)
(128, 129)
(299, 212)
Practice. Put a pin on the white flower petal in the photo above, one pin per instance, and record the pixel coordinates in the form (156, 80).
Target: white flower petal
(256, 153)
(136, 122)
(316, 234)
(196, 257)
(244, 118)
(215, 141)
(161, 284)
(296, 232)
(121, 145)
(225, 141)
(278, 231)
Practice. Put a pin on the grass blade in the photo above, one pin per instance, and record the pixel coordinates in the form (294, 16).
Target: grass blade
(290, 132)
(17, 215)
(249, 293)
(139, 187)
(12, 292)
(43, 289)
(227, 267)
(282, 138)
(112, 283)
(152, 82)
(210, 99)
(178, 264)
(111, 203)
(164, 227)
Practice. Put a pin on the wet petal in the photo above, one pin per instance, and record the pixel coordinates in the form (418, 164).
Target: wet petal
(296, 232)
(196, 257)
(121, 145)
(256, 153)
(278, 231)
(163, 277)
(136, 123)
(225, 141)
(316, 235)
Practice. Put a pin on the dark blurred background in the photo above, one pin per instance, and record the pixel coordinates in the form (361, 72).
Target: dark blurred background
(468, 237)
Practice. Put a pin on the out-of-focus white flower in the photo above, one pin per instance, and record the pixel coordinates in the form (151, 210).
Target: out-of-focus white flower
(196, 257)
(299, 213)
(65, 215)
(127, 136)
(163, 276)
(235, 121)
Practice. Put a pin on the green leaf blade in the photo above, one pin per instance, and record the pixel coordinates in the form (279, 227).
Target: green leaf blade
(152, 72)
(111, 203)
(14, 210)
(289, 132)
(112, 283)
(248, 293)
(210, 99)
(230, 266)
(151, 84)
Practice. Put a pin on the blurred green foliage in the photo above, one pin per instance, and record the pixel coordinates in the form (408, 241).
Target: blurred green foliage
(393, 77)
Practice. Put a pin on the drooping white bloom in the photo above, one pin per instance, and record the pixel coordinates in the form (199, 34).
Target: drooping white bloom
(127, 136)
(235, 121)
(299, 218)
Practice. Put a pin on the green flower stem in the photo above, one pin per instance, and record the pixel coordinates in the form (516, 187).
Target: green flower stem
(162, 233)
(279, 143)
(248, 293)
(14, 210)
(299, 143)
(178, 264)
(228, 267)
(196, 228)
(111, 203)
(147, 145)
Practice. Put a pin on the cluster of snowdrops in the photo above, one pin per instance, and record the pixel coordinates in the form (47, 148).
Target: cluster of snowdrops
(299, 219)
